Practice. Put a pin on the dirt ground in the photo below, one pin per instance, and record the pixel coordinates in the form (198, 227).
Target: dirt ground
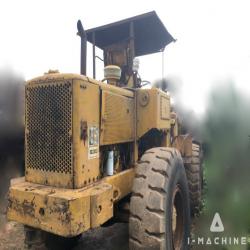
(11, 235)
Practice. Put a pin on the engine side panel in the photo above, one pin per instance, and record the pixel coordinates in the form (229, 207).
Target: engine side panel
(153, 110)
(117, 118)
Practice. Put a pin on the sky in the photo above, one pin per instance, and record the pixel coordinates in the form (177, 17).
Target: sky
(213, 39)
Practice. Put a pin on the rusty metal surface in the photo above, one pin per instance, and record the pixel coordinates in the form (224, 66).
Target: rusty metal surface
(67, 212)
(62, 212)
(101, 203)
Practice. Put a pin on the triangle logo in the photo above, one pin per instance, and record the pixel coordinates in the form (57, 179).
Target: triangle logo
(217, 225)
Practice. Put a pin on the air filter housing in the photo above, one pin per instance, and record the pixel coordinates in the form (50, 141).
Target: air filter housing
(112, 74)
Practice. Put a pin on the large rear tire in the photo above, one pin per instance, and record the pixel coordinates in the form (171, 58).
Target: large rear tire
(194, 172)
(159, 207)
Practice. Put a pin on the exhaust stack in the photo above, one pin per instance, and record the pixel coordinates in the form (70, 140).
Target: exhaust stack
(81, 32)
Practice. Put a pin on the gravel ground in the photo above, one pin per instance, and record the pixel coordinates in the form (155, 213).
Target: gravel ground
(11, 236)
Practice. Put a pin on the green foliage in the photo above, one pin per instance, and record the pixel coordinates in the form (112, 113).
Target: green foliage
(226, 134)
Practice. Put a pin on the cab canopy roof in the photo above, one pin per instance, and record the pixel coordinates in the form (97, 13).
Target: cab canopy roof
(150, 35)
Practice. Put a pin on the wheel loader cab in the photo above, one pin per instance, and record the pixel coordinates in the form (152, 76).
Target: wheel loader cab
(125, 40)
(84, 137)
(118, 55)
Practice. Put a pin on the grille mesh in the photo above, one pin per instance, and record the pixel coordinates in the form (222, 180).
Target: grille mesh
(48, 127)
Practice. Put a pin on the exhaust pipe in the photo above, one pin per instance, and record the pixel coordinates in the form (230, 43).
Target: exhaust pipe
(81, 32)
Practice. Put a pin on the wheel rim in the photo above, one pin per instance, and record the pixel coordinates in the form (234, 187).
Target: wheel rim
(177, 218)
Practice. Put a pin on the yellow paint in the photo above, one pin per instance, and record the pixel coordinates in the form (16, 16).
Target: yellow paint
(116, 126)
(117, 118)
(153, 110)
(67, 212)
(101, 205)
(86, 109)
(68, 203)
(121, 182)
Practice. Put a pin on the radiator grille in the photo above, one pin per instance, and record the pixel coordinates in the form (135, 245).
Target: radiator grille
(48, 127)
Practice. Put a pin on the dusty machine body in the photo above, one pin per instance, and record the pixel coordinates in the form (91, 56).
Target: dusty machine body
(75, 124)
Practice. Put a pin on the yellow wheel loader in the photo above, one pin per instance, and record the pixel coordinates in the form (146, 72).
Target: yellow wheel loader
(96, 148)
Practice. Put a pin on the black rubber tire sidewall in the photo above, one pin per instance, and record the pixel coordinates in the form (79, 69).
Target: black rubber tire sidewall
(178, 177)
